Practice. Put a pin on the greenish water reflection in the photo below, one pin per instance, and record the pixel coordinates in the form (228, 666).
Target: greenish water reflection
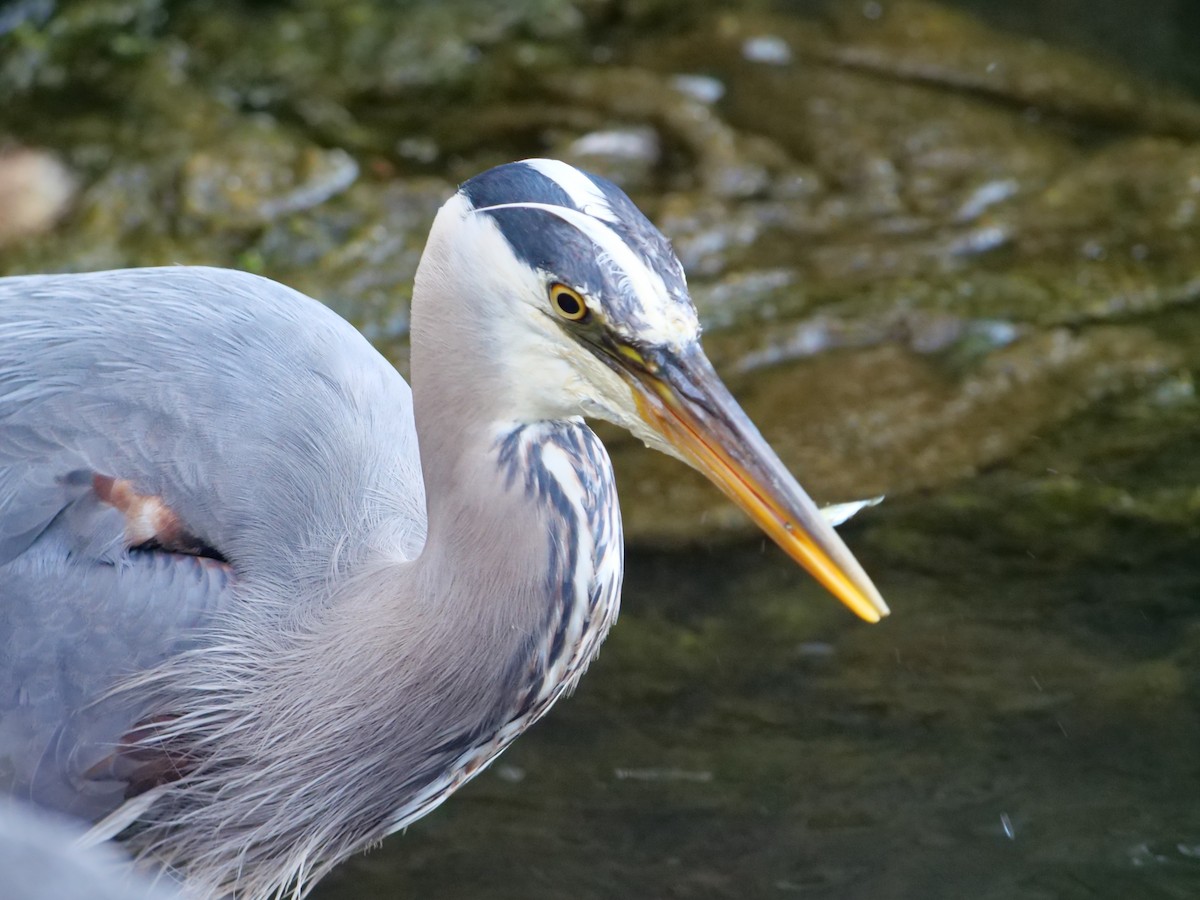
(1025, 724)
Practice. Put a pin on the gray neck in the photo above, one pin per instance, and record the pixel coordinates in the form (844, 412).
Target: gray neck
(524, 545)
(414, 675)
(523, 559)
(411, 676)
(508, 601)
(485, 557)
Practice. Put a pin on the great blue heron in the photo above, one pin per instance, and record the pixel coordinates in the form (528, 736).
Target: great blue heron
(268, 606)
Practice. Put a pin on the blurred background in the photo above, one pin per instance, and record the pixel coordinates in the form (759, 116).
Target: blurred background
(947, 252)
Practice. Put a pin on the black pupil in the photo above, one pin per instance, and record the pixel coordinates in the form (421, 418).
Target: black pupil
(569, 304)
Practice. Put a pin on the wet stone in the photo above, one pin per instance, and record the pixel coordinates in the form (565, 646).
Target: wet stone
(256, 176)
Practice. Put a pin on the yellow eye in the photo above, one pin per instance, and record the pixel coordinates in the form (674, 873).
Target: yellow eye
(567, 303)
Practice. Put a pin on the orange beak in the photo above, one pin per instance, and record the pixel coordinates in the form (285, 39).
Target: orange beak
(683, 399)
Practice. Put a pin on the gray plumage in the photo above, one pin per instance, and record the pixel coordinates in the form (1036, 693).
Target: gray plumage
(231, 614)
(40, 859)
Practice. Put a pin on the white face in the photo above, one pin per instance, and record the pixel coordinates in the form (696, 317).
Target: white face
(551, 361)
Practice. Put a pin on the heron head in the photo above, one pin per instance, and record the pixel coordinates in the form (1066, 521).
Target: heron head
(595, 319)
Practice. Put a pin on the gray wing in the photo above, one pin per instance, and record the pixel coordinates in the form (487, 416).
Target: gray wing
(172, 441)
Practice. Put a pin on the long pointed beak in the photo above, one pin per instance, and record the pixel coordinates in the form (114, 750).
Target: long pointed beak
(683, 399)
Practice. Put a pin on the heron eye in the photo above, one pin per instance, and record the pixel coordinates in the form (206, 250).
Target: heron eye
(568, 303)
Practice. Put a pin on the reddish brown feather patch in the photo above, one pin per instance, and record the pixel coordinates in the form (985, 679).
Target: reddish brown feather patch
(148, 520)
(144, 759)
(141, 762)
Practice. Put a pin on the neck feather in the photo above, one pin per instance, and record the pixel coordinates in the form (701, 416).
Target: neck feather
(415, 677)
